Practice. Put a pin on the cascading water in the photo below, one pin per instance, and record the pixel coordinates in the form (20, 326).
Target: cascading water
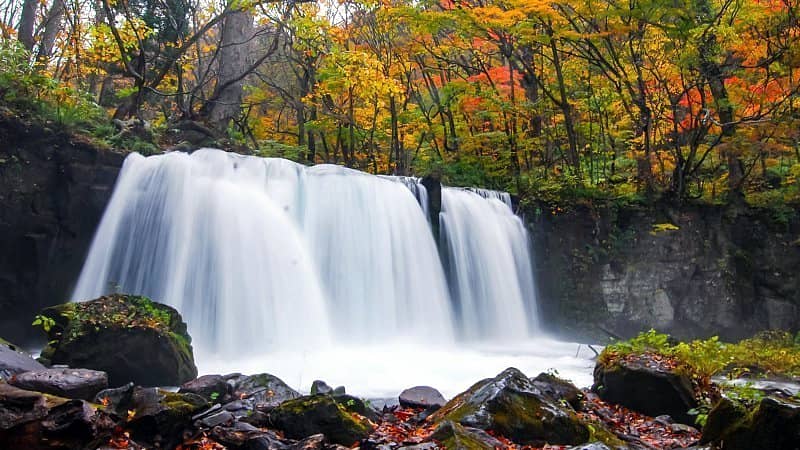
(485, 250)
(316, 268)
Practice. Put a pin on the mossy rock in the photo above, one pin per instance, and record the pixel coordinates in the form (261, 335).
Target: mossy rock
(315, 414)
(131, 338)
(160, 417)
(511, 405)
(453, 436)
(774, 424)
(649, 390)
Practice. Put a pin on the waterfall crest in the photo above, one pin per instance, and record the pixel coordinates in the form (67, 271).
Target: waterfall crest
(266, 253)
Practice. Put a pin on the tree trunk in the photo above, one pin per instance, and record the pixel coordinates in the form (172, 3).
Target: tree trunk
(234, 59)
(52, 27)
(27, 23)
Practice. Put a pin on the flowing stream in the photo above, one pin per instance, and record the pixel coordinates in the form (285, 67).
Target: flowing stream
(306, 272)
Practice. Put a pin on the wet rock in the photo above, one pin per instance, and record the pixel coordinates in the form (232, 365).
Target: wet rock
(131, 338)
(358, 406)
(69, 383)
(773, 425)
(557, 389)
(421, 397)
(320, 387)
(14, 361)
(511, 405)
(246, 437)
(160, 417)
(339, 390)
(649, 390)
(315, 442)
(457, 437)
(32, 420)
(117, 400)
(591, 446)
(305, 416)
(214, 388)
(262, 391)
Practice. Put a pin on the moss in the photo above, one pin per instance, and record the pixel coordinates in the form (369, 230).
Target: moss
(453, 436)
(181, 404)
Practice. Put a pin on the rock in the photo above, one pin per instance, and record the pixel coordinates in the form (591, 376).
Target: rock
(648, 390)
(160, 417)
(246, 437)
(314, 414)
(320, 387)
(117, 400)
(773, 425)
(315, 442)
(218, 418)
(339, 390)
(131, 338)
(557, 389)
(214, 388)
(358, 406)
(32, 420)
(591, 446)
(456, 437)
(511, 405)
(69, 383)
(421, 397)
(262, 391)
(14, 361)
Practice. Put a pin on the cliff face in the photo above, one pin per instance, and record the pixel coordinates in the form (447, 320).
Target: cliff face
(697, 271)
(53, 190)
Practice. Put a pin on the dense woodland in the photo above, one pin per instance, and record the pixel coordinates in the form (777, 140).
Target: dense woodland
(637, 99)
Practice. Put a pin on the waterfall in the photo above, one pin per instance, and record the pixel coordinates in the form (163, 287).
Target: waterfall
(263, 254)
(486, 252)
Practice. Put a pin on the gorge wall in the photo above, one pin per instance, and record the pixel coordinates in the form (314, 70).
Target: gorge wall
(53, 189)
(696, 271)
(600, 271)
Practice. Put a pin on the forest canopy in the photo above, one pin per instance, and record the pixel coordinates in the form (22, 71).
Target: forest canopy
(683, 99)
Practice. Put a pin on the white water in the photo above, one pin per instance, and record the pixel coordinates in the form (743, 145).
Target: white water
(324, 272)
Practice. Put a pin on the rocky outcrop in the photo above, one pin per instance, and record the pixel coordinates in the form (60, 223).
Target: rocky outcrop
(648, 389)
(133, 339)
(512, 406)
(53, 190)
(693, 272)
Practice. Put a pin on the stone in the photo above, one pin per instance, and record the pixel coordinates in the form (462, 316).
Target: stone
(511, 405)
(557, 389)
(653, 391)
(33, 420)
(69, 383)
(421, 397)
(591, 446)
(131, 338)
(160, 417)
(774, 424)
(358, 406)
(305, 416)
(320, 387)
(117, 399)
(14, 361)
(457, 437)
(214, 388)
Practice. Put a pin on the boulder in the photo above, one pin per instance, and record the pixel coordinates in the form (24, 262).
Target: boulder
(319, 414)
(557, 389)
(457, 437)
(70, 383)
(320, 387)
(32, 420)
(650, 389)
(263, 391)
(14, 361)
(214, 388)
(160, 417)
(358, 406)
(421, 397)
(511, 405)
(130, 338)
(774, 424)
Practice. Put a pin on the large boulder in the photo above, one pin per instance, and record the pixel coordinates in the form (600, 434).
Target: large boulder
(129, 337)
(70, 383)
(641, 384)
(319, 414)
(14, 361)
(512, 406)
(774, 424)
